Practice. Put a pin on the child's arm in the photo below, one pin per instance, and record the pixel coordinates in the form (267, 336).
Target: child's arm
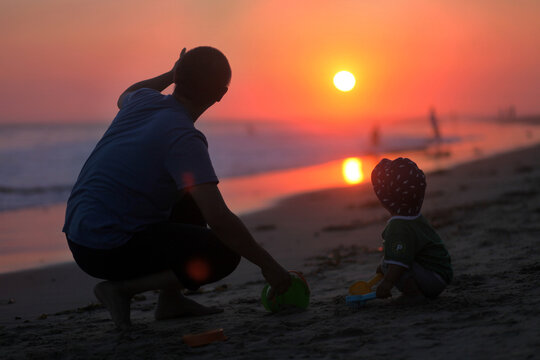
(392, 275)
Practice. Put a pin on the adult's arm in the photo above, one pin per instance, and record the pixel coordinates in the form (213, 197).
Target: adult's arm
(159, 83)
(232, 231)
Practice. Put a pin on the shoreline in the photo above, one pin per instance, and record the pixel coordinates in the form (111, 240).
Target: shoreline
(487, 212)
(245, 200)
(45, 214)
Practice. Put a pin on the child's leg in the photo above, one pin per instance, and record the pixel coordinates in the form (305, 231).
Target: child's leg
(403, 279)
(409, 287)
(417, 278)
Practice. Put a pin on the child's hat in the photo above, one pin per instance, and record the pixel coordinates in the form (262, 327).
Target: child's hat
(400, 186)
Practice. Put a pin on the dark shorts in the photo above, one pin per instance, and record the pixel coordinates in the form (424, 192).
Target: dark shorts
(429, 282)
(184, 245)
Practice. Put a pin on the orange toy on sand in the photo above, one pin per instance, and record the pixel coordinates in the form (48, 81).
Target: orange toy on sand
(364, 287)
(204, 338)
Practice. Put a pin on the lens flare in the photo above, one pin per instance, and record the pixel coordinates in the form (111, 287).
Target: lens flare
(352, 171)
(198, 269)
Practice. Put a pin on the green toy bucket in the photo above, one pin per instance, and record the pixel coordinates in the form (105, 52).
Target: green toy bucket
(297, 295)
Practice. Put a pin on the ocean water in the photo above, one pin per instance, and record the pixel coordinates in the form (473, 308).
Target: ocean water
(258, 164)
(40, 163)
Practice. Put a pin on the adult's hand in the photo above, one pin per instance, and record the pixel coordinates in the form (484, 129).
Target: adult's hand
(232, 231)
(159, 83)
(278, 278)
(177, 61)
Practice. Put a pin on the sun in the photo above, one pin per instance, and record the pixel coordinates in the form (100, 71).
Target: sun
(344, 81)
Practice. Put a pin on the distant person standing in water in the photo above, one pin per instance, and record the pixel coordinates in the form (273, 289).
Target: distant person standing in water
(375, 139)
(435, 125)
(146, 212)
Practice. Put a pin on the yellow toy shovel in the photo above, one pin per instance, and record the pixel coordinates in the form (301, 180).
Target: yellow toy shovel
(364, 287)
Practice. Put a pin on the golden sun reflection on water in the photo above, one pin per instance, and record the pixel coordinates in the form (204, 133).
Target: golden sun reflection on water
(352, 170)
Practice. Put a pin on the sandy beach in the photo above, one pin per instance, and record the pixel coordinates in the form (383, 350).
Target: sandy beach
(487, 212)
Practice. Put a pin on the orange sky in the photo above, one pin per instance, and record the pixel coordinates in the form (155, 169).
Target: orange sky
(68, 60)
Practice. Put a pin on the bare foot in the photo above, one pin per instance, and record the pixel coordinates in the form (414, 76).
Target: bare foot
(172, 304)
(110, 294)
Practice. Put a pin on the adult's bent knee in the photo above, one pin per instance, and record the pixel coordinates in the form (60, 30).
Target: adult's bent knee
(232, 260)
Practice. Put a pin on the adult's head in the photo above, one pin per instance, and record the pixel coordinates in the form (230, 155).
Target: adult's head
(400, 186)
(202, 76)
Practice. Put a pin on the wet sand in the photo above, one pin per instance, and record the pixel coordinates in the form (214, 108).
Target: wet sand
(488, 213)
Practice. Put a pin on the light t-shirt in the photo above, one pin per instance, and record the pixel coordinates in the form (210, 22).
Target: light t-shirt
(413, 239)
(131, 179)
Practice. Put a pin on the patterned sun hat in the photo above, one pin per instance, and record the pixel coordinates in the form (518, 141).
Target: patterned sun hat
(400, 186)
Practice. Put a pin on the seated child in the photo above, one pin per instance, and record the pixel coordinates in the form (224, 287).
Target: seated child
(415, 258)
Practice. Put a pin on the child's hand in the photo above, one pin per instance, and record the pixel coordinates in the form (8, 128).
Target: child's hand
(383, 290)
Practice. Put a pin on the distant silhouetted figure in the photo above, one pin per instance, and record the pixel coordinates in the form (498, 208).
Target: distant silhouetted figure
(508, 114)
(434, 125)
(375, 137)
